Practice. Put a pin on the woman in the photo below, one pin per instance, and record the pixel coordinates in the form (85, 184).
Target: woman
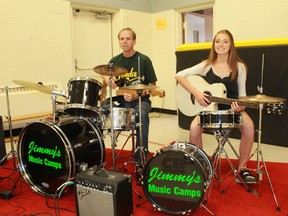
(223, 66)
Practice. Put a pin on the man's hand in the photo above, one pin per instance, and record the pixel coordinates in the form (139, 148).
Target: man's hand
(130, 97)
(107, 81)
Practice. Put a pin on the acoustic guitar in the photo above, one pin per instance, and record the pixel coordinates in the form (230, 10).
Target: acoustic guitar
(217, 95)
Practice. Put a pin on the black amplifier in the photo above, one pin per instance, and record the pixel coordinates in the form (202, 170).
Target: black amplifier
(101, 192)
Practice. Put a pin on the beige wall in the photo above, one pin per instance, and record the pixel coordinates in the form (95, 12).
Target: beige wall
(35, 46)
(35, 39)
(257, 19)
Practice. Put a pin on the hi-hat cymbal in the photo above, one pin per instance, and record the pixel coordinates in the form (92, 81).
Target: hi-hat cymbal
(35, 86)
(108, 70)
(139, 87)
(261, 98)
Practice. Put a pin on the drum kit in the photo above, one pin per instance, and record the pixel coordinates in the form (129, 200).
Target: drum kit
(51, 152)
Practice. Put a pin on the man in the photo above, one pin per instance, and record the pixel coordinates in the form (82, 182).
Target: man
(140, 70)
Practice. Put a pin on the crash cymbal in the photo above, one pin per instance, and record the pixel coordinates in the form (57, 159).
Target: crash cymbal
(106, 69)
(35, 86)
(261, 98)
(139, 87)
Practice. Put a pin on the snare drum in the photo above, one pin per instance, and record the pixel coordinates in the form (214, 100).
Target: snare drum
(123, 118)
(222, 119)
(51, 154)
(83, 97)
(176, 178)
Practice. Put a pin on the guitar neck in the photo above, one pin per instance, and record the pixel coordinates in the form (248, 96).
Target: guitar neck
(132, 92)
(228, 101)
(152, 92)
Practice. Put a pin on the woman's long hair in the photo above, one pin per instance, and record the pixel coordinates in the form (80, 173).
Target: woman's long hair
(233, 58)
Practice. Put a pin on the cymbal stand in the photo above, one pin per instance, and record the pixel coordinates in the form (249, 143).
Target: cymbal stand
(141, 147)
(12, 151)
(259, 156)
(113, 140)
(54, 102)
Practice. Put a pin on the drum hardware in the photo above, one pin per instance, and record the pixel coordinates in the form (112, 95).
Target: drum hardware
(139, 88)
(54, 103)
(222, 137)
(12, 150)
(259, 156)
(132, 136)
(262, 100)
(111, 70)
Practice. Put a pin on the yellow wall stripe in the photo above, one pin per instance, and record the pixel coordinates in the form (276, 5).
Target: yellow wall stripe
(248, 43)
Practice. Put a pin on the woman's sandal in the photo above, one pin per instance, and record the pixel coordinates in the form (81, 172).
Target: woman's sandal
(247, 177)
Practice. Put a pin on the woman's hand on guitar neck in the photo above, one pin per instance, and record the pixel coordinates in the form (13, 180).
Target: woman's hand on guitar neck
(236, 108)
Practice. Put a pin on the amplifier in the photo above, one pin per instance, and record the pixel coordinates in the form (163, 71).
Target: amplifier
(101, 192)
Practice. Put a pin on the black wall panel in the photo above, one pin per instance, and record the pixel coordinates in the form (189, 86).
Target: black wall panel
(275, 84)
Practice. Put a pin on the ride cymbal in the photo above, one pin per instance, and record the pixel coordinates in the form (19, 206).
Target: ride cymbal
(35, 86)
(139, 87)
(261, 98)
(108, 70)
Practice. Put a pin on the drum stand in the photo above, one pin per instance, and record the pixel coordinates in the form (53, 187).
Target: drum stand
(132, 136)
(222, 137)
(112, 131)
(12, 151)
(140, 148)
(54, 103)
(258, 170)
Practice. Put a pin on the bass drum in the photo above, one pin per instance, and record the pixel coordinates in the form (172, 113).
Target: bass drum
(51, 154)
(176, 178)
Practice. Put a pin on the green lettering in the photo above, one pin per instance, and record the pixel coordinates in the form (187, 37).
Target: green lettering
(45, 151)
(161, 176)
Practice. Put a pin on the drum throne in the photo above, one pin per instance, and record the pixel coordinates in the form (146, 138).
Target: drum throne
(220, 153)
(222, 124)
